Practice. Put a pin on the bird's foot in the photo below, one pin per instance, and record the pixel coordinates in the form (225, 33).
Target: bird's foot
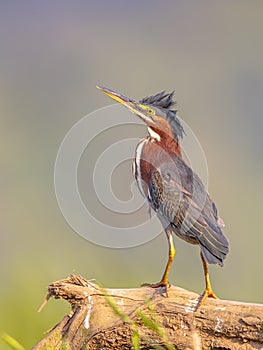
(161, 284)
(208, 293)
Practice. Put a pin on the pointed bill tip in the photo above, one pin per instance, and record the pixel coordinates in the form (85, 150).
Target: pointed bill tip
(132, 105)
(115, 95)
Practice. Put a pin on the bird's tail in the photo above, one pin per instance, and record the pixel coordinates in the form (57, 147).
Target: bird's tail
(214, 244)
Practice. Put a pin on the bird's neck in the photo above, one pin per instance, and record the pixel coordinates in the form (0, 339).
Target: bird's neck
(165, 141)
(150, 153)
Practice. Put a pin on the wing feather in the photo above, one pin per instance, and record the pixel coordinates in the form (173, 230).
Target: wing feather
(179, 195)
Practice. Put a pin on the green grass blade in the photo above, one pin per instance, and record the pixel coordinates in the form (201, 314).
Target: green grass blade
(135, 341)
(11, 342)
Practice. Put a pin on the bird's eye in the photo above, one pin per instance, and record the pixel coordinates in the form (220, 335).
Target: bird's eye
(150, 111)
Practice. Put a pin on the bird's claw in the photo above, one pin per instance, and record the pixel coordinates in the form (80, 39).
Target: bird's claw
(211, 294)
(208, 293)
(161, 284)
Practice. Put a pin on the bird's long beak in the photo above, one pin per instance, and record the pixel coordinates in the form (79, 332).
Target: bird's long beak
(132, 105)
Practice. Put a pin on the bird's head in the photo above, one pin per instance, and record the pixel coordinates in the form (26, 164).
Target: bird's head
(155, 111)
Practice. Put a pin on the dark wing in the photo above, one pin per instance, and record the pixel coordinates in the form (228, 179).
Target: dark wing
(179, 195)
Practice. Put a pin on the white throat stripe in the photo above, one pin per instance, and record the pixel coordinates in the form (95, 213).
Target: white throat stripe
(137, 165)
(154, 134)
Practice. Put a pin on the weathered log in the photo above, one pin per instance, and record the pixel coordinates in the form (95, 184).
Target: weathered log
(108, 318)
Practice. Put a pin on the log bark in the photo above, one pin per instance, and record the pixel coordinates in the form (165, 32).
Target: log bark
(109, 318)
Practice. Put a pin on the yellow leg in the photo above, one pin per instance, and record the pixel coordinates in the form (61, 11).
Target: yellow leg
(164, 281)
(208, 292)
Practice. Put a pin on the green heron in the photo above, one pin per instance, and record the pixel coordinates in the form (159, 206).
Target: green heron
(171, 187)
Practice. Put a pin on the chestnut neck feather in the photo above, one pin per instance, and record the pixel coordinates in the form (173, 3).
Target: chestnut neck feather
(170, 145)
(165, 138)
(150, 154)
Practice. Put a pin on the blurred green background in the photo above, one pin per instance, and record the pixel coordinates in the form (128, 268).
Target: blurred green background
(53, 53)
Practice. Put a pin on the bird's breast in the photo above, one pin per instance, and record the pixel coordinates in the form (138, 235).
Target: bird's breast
(149, 156)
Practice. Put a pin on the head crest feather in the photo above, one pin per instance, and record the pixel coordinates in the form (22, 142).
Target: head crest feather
(162, 99)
